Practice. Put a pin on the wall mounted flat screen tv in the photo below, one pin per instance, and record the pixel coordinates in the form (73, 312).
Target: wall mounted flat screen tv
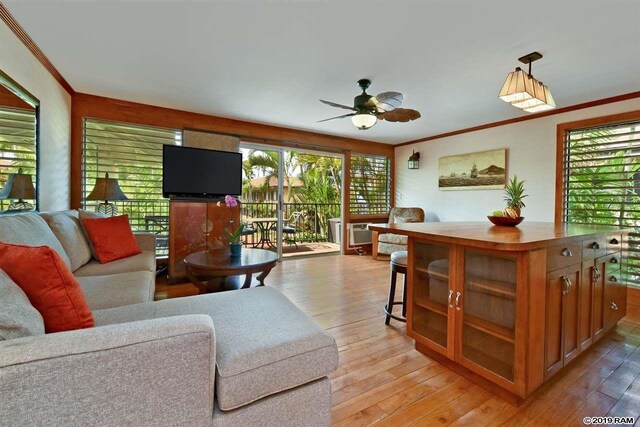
(194, 172)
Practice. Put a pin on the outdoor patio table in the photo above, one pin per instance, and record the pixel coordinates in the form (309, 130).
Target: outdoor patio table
(264, 226)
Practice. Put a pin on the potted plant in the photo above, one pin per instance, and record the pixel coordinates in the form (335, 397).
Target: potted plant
(235, 245)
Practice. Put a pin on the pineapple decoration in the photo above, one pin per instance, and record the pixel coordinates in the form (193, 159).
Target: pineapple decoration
(513, 195)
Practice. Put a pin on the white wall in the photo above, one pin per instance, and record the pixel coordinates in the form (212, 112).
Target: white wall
(55, 118)
(531, 154)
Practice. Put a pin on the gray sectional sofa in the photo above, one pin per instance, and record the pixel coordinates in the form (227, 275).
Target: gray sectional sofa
(238, 358)
(121, 282)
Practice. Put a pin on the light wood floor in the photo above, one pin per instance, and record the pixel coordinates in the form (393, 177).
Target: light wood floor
(383, 381)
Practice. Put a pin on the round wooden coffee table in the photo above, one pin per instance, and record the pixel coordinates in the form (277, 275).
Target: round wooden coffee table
(214, 271)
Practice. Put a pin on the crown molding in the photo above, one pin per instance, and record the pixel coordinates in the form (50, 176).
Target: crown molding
(589, 104)
(22, 35)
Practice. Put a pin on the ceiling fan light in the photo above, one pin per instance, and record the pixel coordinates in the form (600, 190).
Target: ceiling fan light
(364, 121)
(517, 87)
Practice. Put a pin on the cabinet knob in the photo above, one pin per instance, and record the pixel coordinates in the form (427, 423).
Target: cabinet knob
(614, 306)
(566, 252)
(595, 274)
(613, 279)
(458, 294)
(613, 260)
(595, 245)
(614, 241)
(449, 298)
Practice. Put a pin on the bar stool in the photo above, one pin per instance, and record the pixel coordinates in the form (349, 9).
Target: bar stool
(398, 265)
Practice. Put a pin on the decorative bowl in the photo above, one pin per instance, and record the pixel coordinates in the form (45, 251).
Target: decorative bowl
(505, 220)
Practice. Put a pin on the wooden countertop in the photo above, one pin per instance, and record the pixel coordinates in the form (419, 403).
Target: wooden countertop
(527, 235)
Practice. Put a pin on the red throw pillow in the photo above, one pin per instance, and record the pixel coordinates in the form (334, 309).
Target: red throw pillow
(111, 238)
(49, 285)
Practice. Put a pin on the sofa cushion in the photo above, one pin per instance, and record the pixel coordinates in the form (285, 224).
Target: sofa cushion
(31, 230)
(394, 239)
(145, 261)
(18, 318)
(49, 284)
(264, 343)
(111, 238)
(116, 290)
(67, 228)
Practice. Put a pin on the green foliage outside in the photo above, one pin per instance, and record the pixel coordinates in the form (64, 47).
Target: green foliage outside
(318, 199)
(603, 188)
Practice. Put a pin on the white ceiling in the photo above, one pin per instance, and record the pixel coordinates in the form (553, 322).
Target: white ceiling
(270, 61)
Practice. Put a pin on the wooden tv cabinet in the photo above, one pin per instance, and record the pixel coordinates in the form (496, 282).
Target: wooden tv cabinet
(509, 307)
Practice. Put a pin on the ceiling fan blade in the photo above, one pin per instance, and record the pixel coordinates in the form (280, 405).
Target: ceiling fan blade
(399, 115)
(333, 104)
(338, 117)
(386, 101)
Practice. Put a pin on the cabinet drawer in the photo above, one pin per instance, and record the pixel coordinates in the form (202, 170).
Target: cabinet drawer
(594, 248)
(614, 243)
(562, 256)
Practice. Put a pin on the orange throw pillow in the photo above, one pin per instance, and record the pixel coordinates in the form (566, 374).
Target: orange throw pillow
(111, 238)
(49, 284)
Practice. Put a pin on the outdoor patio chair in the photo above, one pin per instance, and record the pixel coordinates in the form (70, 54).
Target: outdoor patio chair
(248, 230)
(289, 228)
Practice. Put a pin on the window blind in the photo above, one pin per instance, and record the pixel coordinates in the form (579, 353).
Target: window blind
(602, 183)
(370, 190)
(18, 147)
(132, 154)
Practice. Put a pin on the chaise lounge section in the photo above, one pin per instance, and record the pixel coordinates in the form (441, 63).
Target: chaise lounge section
(247, 357)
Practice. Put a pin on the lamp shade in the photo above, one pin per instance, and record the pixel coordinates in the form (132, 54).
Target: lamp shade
(19, 186)
(107, 189)
(364, 120)
(541, 100)
(548, 104)
(517, 87)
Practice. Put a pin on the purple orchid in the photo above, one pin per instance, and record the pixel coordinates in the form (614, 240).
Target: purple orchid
(230, 201)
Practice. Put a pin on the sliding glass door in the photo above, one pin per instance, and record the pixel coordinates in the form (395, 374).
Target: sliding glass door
(291, 200)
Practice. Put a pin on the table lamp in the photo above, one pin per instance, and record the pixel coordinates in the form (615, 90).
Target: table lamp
(19, 186)
(107, 189)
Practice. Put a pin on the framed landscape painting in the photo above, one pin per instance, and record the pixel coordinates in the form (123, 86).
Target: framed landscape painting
(485, 170)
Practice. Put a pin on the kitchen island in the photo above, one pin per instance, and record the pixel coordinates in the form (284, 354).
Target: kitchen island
(509, 307)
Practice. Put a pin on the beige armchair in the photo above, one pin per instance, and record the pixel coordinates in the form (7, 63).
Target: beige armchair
(388, 243)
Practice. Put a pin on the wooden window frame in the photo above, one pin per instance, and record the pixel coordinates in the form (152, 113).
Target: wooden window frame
(561, 134)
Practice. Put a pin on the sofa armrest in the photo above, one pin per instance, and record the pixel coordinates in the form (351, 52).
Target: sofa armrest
(151, 372)
(146, 241)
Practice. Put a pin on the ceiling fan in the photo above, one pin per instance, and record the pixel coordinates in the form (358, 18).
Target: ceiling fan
(369, 109)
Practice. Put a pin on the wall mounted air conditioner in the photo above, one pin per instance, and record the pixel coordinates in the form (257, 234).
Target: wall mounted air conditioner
(359, 234)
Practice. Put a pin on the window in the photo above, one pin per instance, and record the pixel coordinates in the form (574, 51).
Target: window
(18, 148)
(18, 137)
(602, 183)
(370, 185)
(132, 154)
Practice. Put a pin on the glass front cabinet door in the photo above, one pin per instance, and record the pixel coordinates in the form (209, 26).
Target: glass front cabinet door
(463, 306)
(432, 298)
(486, 325)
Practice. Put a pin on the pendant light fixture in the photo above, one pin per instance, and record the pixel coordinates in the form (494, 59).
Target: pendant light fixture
(523, 91)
